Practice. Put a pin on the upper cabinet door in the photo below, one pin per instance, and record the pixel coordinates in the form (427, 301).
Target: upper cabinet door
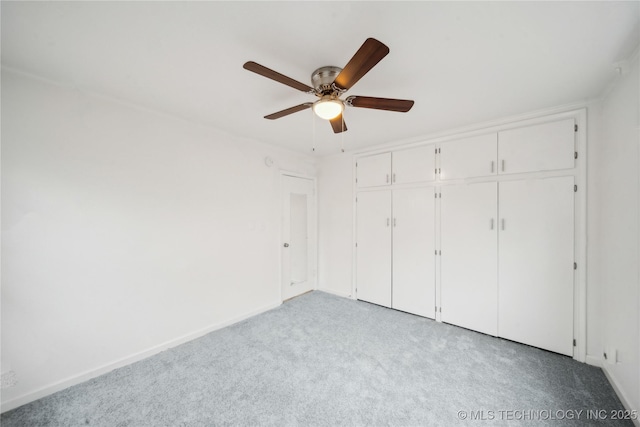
(469, 157)
(543, 147)
(414, 165)
(374, 171)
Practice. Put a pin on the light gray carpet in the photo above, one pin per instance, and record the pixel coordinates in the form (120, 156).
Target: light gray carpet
(321, 360)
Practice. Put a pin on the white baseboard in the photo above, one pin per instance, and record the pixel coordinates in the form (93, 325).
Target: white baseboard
(623, 398)
(87, 375)
(593, 361)
(337, 293)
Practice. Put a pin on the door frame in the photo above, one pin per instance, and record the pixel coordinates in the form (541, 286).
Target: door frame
(314, 228)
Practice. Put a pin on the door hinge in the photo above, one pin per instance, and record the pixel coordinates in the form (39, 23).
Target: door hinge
(574, 342)
(575, 265)
(575, 188)
(575, 128)
(575, 155)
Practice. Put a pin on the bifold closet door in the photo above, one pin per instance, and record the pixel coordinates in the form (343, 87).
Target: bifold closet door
(469, 245)
(535, 275)
(373, 251)
(413, 284)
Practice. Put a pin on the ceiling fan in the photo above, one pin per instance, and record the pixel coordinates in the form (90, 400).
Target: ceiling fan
(329, 83)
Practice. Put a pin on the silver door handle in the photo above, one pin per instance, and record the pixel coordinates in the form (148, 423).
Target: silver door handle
(502, 224)
(286, 245)
(491, 223)
(394, 177)
(492, 166)
(388, 221)
(387, 178)
(394, 222)
(502, 165)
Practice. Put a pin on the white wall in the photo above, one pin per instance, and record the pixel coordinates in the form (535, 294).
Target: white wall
(616, 172)
(594, 187)
(123, 232)
(335, 221)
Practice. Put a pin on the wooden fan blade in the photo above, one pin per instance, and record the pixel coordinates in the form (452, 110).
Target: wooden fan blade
(400, 105)
(274, 75)
(338, 124)
(369, 54)
(289, 111)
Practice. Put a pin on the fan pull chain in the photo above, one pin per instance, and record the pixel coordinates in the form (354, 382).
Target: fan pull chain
(313, 130)
(342, 133)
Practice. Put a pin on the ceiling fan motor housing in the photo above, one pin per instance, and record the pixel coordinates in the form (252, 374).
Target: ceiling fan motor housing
(322, 79)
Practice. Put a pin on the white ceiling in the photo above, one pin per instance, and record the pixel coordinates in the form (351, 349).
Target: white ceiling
(462, 63)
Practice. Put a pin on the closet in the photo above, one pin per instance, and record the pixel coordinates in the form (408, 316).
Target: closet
(491, 216)
(395, 228)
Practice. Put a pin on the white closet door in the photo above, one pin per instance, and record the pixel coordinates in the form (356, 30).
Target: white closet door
(547, 146)
(374, 171)
(414, 165)
(373, 253)
(469, 244)
(413, 251)
(469, 157)
(535, 278)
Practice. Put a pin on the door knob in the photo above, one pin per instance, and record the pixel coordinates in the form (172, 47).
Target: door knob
(286, 245)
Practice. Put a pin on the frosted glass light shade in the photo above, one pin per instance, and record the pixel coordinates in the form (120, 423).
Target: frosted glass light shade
(328, 108)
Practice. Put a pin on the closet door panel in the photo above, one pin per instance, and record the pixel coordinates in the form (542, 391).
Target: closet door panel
(543, 147)
(469, 242)
(374, 171)
(469, 157)
(373, 254)
(413, 288)
(414, 165)
(535, 278)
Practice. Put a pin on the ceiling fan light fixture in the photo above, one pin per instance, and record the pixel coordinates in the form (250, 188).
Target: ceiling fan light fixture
(328, 107)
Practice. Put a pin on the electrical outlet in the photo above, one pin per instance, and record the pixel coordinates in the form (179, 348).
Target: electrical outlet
(8, 379)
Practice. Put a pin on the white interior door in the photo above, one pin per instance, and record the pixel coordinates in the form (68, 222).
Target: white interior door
(535, 275)
(298, 236)
(413, 285)
(373, 253)
(469, 244)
